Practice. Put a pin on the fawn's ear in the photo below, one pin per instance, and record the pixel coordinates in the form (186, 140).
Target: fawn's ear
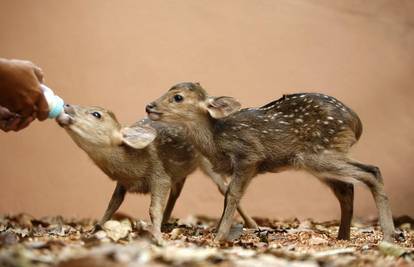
(137, 136)
(220, 107)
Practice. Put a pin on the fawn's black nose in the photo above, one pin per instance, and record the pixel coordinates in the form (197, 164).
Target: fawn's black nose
(150, 107)
(68, 109)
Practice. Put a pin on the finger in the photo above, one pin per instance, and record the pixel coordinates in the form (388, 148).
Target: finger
(3, 126)
(39, 73)
(27, 108)
(12, 124)
(42, 108)
(24, 123)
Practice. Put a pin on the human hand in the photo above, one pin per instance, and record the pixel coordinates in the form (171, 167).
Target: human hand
(13, 122)
(20, 92)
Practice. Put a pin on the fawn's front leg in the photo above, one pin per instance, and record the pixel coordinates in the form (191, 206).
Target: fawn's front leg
(116, 200)
(235, 191)
(221, 181)
(159, 195)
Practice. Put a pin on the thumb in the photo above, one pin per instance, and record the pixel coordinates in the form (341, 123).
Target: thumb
(42, 108)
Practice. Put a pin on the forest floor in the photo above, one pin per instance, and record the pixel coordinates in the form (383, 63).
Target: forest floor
(55, 241)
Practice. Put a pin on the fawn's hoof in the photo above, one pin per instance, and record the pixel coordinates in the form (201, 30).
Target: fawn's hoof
(97, 227)
(399, 236)
(251, 225)
(157, 238)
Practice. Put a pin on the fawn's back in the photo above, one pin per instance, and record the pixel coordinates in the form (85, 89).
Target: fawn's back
(289, 127)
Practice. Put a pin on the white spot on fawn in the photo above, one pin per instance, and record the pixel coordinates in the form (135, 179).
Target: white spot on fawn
(318, 147)
(316, 133)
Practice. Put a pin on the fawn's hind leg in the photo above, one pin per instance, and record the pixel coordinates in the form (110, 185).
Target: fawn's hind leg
(342, 168)
(174, 194)
(344, 192)
(376, 186)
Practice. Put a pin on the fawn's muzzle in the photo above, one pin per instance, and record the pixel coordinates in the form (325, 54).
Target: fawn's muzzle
(66, 117)
(150, 107)
(151, 111)
(69, 109)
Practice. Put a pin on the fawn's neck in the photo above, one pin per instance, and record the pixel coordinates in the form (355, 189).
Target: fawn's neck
(202, 135)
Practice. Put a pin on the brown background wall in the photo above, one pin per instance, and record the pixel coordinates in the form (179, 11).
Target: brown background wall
(122, 54)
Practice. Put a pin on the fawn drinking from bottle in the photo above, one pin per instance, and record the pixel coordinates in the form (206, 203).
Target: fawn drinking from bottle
(145, 157)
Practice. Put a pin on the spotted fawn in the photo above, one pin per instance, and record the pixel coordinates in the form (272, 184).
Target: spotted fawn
(310, 132)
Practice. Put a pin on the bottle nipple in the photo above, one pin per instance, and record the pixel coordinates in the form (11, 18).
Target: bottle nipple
(54, 102)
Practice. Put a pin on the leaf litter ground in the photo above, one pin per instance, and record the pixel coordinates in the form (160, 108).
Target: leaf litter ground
(56, 241)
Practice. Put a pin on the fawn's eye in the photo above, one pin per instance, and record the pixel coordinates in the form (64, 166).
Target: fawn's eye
(96, 115)
(178, 98)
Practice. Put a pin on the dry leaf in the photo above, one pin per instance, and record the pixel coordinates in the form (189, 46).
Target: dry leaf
(117, 230)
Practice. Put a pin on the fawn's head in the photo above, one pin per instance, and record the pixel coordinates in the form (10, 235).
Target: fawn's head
(96, 127)
(190, 102)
